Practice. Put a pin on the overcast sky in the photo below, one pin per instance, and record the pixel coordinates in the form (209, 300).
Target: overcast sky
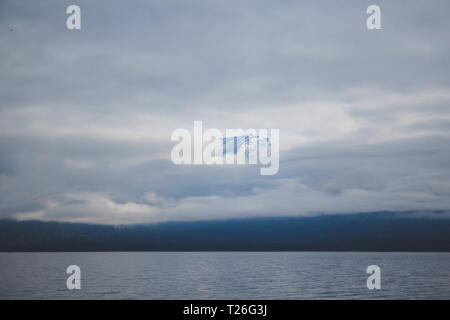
(86, 115)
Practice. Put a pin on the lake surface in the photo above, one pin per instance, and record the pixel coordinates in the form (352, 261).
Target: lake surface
(224, 275)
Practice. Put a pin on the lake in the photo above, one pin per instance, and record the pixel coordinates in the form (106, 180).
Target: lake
(224, 275)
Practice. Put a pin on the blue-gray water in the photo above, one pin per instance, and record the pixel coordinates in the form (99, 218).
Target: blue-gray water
(225, 275)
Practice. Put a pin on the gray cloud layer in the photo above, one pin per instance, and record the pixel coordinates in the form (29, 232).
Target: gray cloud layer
(86, 116)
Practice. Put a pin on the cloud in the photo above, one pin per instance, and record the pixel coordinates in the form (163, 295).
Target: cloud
(86, 116)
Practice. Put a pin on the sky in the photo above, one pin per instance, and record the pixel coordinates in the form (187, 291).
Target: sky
(86, 115)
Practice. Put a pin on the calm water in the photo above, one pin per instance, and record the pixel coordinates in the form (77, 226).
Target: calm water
(228, 275)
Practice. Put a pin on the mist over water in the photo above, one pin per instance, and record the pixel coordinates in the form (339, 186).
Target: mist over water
(224, 275)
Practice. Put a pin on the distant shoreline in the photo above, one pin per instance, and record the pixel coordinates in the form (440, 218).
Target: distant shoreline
(363, 232)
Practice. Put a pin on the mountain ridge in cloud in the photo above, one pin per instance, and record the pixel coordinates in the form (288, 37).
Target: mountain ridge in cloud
(380, 231)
